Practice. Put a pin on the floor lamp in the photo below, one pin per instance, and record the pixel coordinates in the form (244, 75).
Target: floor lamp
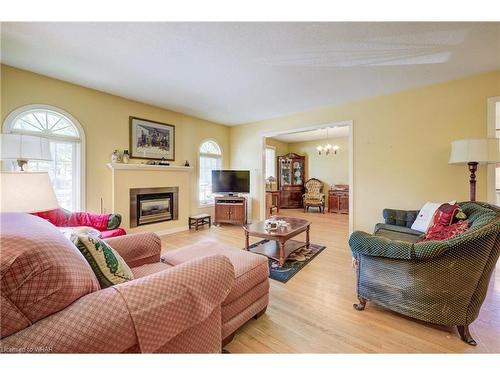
(473, 152)
(26, 192)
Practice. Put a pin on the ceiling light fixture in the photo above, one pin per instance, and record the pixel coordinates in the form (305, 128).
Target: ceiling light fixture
(328, 148)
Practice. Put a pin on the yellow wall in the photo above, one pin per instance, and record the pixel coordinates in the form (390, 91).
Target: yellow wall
(401, 144)
(331, 169)
(105, 119)
(281, 147)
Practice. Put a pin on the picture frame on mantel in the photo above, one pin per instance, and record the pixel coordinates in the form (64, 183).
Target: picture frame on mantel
(151, 139)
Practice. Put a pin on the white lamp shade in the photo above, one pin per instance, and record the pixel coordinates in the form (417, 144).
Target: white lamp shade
(24, 147)
(482, 151)
(26, 192)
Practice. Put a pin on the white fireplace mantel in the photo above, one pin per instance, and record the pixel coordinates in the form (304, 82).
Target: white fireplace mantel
(143, 167)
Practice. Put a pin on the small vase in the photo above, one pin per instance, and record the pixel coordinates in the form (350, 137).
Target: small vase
(115, 157)
(126, 157)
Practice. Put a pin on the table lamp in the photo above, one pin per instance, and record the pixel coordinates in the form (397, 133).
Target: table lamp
(473, 152)
(22, 147)
(26, 192)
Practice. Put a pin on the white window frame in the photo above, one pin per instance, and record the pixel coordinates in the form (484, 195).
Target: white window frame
(200, 154)
(274, 164)
(79, 141)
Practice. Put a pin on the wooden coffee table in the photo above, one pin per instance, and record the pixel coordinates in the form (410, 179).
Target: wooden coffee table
(280, 245)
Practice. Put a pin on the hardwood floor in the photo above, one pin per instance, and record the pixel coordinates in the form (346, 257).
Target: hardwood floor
(313, 312)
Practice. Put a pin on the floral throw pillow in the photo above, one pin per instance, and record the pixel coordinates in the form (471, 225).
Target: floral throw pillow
(439, 232)
(108, 266)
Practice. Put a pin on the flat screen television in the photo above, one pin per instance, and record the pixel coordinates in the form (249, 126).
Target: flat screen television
(228, 181)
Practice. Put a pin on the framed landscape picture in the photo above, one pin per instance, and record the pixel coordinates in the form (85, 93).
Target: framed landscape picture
(151, 139)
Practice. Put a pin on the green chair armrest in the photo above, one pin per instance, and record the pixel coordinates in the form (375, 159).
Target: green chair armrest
(363, 243)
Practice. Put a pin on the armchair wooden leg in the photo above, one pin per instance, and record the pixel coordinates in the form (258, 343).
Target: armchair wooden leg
(361, 305)
(465, 335)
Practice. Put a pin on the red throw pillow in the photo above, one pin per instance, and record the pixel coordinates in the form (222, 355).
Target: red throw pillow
(445, 214)
(440, 232)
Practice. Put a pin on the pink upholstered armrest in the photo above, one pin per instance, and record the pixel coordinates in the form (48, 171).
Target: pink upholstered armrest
(137, 249)
(97, 322)
(147, 312)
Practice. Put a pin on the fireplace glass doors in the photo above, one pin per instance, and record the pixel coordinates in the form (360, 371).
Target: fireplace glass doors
(153, 205)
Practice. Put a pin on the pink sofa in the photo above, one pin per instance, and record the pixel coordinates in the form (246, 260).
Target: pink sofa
(52, 302)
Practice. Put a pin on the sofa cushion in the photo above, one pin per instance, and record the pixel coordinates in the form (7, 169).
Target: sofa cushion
(108, 266)
(250, 269)
(41, 271)
(396, 232)
(402, 218)
(149, 268)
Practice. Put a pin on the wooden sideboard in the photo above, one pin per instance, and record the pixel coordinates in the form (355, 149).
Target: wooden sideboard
(338, 199)
(230, 210)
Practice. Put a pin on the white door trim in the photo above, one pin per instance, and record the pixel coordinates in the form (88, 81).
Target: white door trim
(491, 133)
(262, 183)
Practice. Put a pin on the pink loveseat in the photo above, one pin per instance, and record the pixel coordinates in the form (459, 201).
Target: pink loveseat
(52, 302)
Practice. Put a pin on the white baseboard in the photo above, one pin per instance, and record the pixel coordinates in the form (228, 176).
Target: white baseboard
(172, 230)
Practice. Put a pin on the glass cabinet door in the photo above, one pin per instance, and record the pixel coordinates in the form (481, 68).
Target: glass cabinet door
(286, 172)
(298, 172)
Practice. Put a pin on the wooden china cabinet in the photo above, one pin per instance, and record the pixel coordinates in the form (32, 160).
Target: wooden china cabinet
(291, 176)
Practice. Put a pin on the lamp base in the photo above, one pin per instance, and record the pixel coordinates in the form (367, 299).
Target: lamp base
(472, 181)
(23, 164)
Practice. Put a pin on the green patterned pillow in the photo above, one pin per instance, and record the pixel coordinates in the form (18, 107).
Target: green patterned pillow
(108, 266)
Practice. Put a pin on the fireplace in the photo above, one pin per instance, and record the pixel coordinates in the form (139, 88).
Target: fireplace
(153, 205)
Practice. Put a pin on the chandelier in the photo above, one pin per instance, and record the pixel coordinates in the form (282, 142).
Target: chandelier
(328, 148)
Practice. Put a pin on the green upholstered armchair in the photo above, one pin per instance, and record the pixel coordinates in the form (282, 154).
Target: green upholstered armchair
(441, 282)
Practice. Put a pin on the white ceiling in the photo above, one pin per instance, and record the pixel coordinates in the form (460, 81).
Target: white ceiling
(235, 73)
(314, 135)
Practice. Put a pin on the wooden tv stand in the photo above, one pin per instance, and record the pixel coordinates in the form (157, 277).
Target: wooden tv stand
(230, 210)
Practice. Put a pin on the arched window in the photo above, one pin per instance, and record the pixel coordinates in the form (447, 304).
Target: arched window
(210, 159)
(66, 138)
